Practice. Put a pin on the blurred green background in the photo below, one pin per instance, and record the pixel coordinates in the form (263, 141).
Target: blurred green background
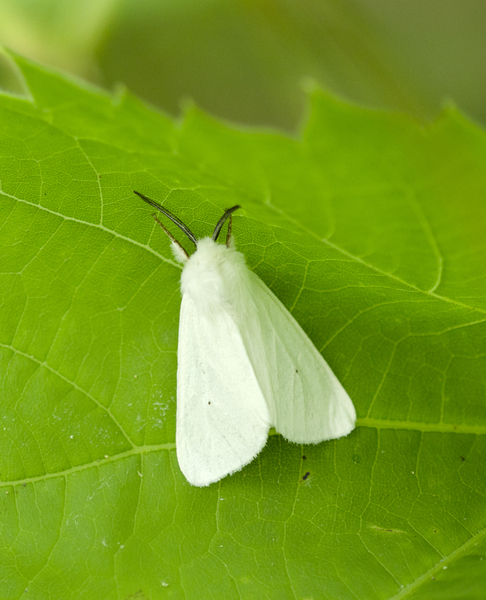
(250, 61)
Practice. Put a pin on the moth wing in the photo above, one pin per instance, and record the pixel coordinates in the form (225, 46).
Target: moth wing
(306, 401)
(222, 417)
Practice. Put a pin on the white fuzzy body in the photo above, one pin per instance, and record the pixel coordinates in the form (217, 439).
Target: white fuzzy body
(244, 365)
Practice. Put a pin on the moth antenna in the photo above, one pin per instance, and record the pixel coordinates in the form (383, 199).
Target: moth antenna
(172, 238)
(170, 216)
(221, 222)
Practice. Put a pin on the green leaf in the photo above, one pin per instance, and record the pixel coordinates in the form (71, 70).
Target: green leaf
(370, 229)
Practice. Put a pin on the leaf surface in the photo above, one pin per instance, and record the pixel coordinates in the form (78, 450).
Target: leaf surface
(370, 229)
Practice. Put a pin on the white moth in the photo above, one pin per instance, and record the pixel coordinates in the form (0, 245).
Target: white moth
(244, 365)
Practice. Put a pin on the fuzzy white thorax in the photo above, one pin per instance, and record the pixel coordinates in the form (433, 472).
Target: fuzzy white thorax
(215, 276)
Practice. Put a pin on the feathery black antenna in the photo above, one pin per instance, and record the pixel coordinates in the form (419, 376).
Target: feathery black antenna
(220, 224)
(172, 217)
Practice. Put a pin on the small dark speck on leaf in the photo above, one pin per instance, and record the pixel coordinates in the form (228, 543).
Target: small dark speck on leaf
(304, 458)
(305, 476)
(296, 370)
(462, 458)
(209, 402)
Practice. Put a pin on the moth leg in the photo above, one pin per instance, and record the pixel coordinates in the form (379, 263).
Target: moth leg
(229, 238)
(172, 238)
